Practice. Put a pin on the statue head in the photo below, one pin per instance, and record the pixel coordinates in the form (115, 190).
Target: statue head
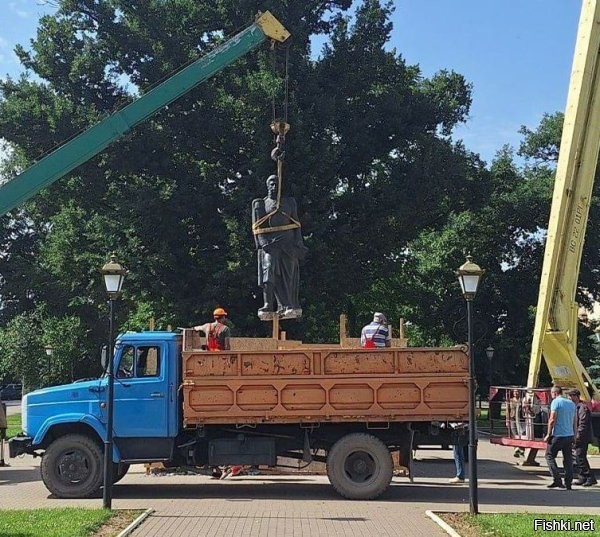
(272, 184)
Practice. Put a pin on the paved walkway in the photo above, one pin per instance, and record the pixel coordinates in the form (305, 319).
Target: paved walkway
(298, 506)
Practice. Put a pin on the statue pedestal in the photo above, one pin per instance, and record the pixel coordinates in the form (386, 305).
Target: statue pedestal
(276, 316)
(281, 315)
(267, 315)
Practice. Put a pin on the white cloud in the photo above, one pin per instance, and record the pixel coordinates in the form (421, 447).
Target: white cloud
(3, 49)
(8, 56)
(17, 9)
(486, 135)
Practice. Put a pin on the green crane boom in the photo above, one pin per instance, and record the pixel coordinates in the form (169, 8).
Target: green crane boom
(89, 143)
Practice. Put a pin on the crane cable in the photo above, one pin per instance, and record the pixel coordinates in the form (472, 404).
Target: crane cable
(280, 127)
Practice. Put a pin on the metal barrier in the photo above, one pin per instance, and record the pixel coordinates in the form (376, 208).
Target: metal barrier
(519, 413)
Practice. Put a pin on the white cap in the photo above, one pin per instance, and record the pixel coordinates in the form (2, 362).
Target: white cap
(379, 318)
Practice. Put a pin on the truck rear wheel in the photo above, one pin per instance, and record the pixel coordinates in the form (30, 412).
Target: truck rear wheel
(72, 467)
(360, 466)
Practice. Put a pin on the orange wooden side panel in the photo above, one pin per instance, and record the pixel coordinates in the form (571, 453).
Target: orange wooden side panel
(325, 384)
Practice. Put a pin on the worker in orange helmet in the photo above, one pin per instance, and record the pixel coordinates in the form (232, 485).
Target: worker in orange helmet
(217, 339)
(217, 332)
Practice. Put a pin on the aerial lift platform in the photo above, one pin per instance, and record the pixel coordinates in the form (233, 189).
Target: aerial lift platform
(555, 331)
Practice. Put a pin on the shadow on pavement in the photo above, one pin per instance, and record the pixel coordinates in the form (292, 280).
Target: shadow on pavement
(486, 469)
(236, 517)
(270, 480)
(398, 492)
(538, 496)
(234, 490)
(15, 476)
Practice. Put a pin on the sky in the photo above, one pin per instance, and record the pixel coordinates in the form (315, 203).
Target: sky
(516, 53)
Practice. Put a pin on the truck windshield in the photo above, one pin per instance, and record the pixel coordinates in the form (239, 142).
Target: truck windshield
(142, 361)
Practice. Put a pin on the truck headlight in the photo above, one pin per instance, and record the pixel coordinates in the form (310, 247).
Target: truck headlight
(24, 413)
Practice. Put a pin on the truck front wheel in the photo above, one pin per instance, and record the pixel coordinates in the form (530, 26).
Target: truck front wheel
(72, 467)
(360, 466)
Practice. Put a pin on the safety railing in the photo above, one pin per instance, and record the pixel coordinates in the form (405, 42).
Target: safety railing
(519, 413)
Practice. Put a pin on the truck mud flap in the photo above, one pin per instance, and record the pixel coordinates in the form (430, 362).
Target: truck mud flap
(19, 445)
(253, 451)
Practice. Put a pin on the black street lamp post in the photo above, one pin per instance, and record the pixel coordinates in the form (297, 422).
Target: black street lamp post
(489, 352)
(49, 353)
(469, 275)
(114, 274)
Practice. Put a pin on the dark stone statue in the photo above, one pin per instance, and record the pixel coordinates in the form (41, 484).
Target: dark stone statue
(280, 248)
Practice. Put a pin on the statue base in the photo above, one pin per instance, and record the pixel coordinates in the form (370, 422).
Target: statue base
(288, 313)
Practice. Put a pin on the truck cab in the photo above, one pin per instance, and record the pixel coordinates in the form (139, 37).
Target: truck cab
(147, 411)
(68, 423)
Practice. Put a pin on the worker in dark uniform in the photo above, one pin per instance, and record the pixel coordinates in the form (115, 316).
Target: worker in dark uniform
(583, 438)
(217, 333)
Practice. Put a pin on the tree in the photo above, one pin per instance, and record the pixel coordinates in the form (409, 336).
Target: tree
(25, 339)
(594, 366)
(541, 147)
(389, 202)
(178, 212)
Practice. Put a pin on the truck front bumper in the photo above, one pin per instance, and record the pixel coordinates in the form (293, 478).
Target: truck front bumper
(19, 445)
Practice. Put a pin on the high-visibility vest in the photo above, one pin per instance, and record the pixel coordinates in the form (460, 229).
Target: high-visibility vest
(213, 343)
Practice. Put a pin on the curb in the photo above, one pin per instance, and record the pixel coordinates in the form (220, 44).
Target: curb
(446, 527)
(133, 526)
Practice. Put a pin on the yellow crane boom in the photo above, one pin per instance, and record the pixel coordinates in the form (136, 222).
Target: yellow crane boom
(555, 332)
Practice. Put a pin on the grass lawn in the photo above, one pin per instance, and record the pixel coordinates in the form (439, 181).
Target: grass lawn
(512, 524)
(14, 425)
(66, 522)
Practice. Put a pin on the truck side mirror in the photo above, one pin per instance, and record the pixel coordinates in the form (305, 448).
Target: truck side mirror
(104, 357)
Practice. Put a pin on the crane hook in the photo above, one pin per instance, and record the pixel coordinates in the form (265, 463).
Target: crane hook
(280, 128)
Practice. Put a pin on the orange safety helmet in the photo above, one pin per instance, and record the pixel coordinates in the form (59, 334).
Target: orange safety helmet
(219, 312)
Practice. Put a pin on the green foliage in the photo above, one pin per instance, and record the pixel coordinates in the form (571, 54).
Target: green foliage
(509, 524)
(14, 425)
(543, 144)
(21, 349)
(592, 363)
(25, 340)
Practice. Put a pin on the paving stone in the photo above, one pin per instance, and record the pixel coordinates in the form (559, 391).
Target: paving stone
(299, 506)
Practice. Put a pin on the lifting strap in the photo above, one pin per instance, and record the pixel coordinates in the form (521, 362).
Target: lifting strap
(280, 127)
(256, 226)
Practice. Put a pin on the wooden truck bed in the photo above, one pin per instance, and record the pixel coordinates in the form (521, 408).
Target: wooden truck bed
(324, 384)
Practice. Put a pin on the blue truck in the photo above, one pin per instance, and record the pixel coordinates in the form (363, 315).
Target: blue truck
(183, 406)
